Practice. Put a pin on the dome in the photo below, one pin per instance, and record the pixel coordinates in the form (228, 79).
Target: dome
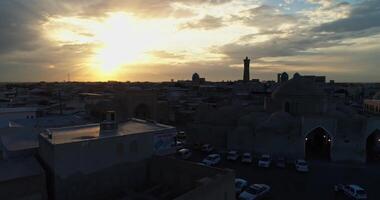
(195, 77)
(298, 87)
(296, 75)
(253, 119)
(279, 123)
(284, 77)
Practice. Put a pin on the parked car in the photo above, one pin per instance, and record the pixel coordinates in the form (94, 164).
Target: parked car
(184, 153)
(207, 148)
(246, 158)
(179, 145)
(255, 191)
(240, 185)
(212, 160)
(232, 155)
(351, 191)
(264, 161)
(280, 162)
(301, 166)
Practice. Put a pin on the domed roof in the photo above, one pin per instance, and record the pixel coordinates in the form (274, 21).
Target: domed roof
(296, 75)
(284, 74)
(279, 122)
(195, 76)
(300, 86)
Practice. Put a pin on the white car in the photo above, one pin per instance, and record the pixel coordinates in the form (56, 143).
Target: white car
(211, 160)
(301, 166)
(240, 185)
(351, 191)
(232, 155)
(264, 161)
(255, 191)
(246, 158)
(184, 153)
(207, 148)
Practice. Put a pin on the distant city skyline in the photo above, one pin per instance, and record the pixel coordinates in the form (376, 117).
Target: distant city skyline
(150, 40)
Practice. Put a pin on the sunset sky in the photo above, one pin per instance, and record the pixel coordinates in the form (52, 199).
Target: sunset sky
(152, 40)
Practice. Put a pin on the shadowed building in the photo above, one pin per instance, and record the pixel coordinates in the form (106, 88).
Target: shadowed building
(196, 79)
(299, 120)
(22, 178)
(111, 160)
(131, 103)
(372, 106)
(106, 161)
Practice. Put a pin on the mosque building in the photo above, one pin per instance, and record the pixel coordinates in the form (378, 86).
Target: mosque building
(298, 120)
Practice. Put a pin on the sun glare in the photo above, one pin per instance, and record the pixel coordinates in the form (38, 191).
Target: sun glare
(119, 40)
(122, 41)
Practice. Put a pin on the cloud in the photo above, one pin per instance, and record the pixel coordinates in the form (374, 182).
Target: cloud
(265, 18)
(329, 38)
(278, 46)
(18, 27)
(322, 2)
(166, 55)
(363, 16)
(303, 39)
(142, 8)
(20, 21)
(208, 22)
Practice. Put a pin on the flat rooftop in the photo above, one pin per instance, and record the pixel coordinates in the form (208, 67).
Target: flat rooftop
(20, 138)
(18, 110)
(20, 168)
(54, 121)
(92, 131)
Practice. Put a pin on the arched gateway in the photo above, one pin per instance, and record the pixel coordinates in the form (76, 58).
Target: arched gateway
(318, 145)
(373, 147)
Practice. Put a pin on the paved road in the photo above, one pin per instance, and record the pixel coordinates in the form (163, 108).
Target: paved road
(317, 184)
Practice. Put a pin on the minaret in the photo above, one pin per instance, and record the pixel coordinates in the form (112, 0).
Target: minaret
(246, 69)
